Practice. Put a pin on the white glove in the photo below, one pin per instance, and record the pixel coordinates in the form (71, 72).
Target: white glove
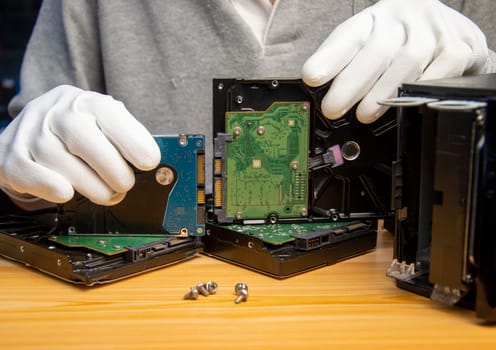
(70, 139)
(394, 41)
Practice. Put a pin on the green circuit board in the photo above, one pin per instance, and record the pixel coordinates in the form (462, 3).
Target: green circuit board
(278, 234)
(267, 162)
(107, 244)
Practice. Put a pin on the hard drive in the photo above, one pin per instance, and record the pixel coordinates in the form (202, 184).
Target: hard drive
(444, 186)
(282, 169)
(283, 250)
(159, 222)
(278, 159)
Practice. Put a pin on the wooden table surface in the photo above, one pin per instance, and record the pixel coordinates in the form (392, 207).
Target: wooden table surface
(348, 305)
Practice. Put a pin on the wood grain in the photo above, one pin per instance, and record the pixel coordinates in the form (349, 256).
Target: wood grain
(350, 305)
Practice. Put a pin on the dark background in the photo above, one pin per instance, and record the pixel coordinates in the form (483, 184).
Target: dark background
(17, 18)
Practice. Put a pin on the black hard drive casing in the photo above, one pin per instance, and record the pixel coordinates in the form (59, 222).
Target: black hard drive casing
(444, 187)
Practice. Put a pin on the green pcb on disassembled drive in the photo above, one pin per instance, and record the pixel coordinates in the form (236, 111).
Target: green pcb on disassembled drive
(267, 162)
(108, 244)
(278, 234)
(302, 236)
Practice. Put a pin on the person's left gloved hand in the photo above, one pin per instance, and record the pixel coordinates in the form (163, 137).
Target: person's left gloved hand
(394, 41)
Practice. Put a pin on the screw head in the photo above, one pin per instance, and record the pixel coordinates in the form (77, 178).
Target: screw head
(237, 131)
(202, 288)
(240, 286)
(212, 287)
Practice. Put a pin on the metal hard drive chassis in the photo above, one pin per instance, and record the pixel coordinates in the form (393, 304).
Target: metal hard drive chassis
(444, 183)
(258, 127)
(159, 223)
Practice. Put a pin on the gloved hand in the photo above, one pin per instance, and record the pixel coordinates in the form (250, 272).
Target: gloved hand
(70, 139)
(394, 41)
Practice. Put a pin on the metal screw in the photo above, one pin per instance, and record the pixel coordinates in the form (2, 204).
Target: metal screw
(183, 140)
(237, 131)
(303, 212)
(202, 288)
(241, 290)
(212, 287)
(192, 294)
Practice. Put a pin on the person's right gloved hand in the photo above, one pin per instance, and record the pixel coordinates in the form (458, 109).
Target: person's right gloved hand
(370, 55)
(70, 139)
